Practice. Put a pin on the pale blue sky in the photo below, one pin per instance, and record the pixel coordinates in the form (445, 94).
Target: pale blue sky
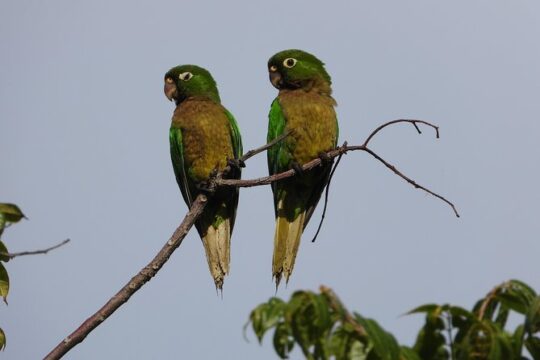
(84, 152)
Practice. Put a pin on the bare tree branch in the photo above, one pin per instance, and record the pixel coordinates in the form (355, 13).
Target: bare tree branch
(196, 209)
(146, 273)
(34, 252)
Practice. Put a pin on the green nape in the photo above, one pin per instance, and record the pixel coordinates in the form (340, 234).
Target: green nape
(193, 81)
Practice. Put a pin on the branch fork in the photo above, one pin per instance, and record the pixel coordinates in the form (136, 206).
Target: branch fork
(196, 209)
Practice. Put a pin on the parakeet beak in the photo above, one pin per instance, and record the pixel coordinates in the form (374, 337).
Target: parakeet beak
(170, 90)
(275, 79)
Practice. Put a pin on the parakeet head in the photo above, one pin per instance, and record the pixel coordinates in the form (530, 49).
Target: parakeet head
(185, 81)
(295, 69)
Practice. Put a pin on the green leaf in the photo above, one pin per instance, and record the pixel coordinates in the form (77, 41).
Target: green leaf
(3, 250)
(2, 339)
(265, 316)
(344, 344)
(517, 340)
(532, 319)
(457, 311)
(489, 308)
(516, 295)
(532, 343)
(283, 340)
(11, 212)
(385, 345)
(502, 316)
(407, 353)
(486, 340)
(430, 342)
(426, 308)
(303, 321)
(523, 288)
(340, 343)
(4, 282)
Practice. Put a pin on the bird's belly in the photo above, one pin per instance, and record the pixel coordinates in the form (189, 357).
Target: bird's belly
(206, 149)
(314, 131)
(310, 140)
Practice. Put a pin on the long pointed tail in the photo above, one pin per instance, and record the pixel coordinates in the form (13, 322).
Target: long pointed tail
(217, 244)
(286, 243)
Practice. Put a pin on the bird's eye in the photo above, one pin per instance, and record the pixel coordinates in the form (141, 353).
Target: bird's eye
(289, 62)
(185, 76)
(273, 68)
(169, 80)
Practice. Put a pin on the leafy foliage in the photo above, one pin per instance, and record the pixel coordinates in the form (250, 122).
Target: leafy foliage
(323, 328)
(9, 214)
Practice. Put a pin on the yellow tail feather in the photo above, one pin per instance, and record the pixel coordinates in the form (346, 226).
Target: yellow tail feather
(217, 244)
(286, 243)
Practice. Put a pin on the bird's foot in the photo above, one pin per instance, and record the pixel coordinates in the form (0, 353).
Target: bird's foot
(206, 186)
(325, 158)
(237, 164)
(297, 168)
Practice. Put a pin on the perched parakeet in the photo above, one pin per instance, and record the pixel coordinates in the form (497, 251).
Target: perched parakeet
(305, 107)
(203, 137)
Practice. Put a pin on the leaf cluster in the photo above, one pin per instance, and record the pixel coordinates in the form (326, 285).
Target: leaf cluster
(323, 328)
(9, 214)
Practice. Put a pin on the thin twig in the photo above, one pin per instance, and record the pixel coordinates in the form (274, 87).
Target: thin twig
(327, 191)
(409, 180)
(339, 308)
(134, 284)
(411, 121)
(34, 252)
(258, 150)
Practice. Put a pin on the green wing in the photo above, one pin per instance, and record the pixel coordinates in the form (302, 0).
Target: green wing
(276, 127)
(278, 155)
(177, 157)
(235, 136)
(236, 140)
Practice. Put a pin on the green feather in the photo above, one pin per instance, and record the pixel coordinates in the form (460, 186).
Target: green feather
(235, 135)
(177, 157)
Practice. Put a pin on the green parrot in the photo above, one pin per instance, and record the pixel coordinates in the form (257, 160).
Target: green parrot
(305, 107)
(204, 138)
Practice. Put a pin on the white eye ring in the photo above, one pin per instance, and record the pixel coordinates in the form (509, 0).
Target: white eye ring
(185, 76)
(273, 68)
(289, 62)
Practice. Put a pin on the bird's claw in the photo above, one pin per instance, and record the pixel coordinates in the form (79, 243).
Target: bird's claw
(297, 168)
(236, 163)
(208, 185)
(205, 186)
(325, 158)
